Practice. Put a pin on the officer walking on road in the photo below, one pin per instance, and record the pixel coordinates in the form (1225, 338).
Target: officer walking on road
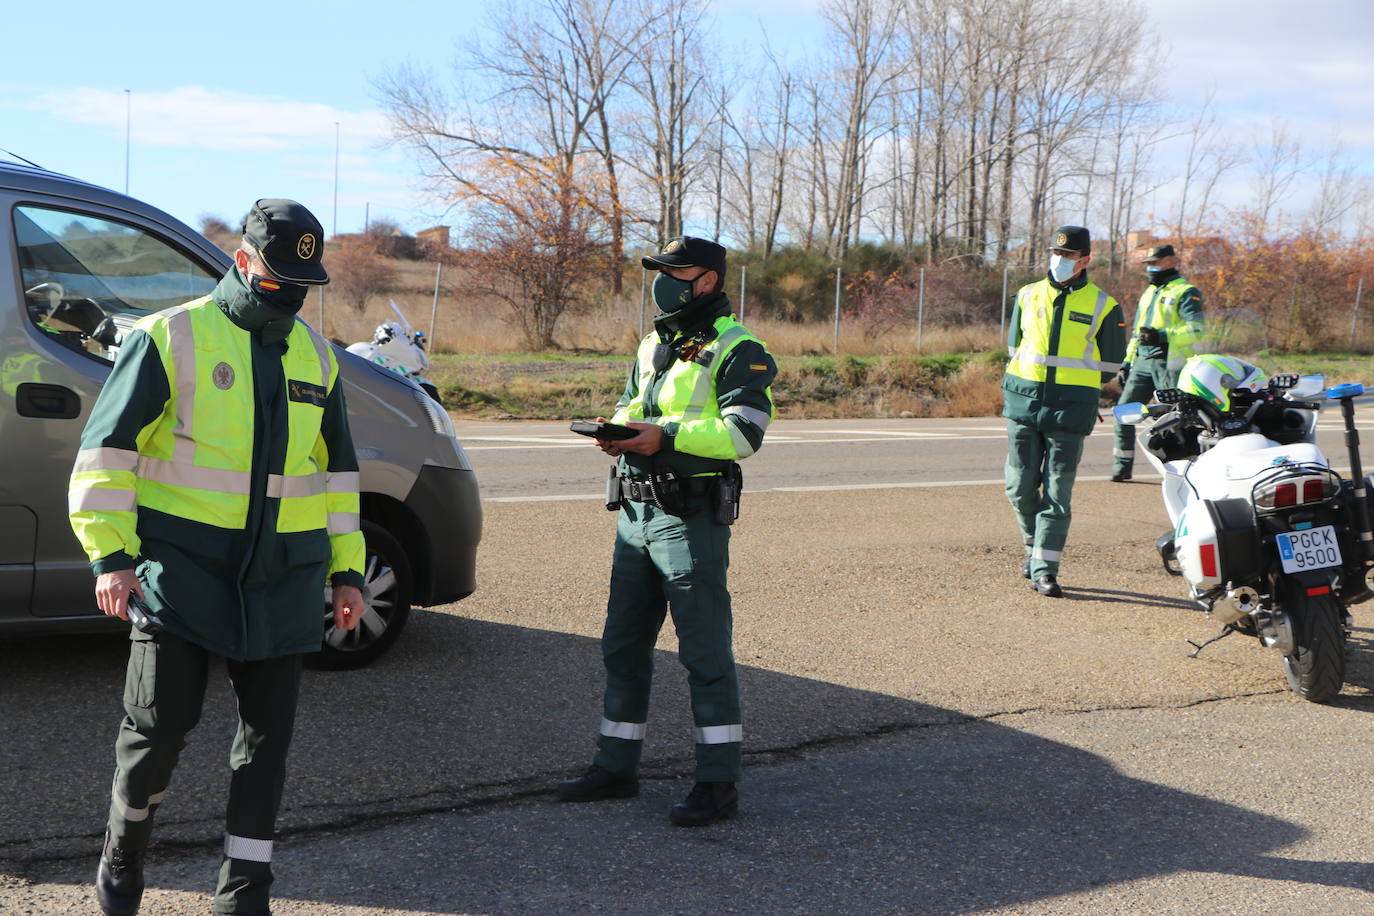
(1066, 338)
(217, 483)
(699, 396)
(1168, 328)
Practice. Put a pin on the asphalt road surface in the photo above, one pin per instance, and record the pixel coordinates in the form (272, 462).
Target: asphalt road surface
(923, 733)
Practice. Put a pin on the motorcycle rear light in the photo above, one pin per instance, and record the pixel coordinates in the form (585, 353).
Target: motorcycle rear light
(1314, 490)
(1319, 590)
(1285, 494)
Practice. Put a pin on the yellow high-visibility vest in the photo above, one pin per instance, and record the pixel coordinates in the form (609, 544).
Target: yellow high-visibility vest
(1076, 358)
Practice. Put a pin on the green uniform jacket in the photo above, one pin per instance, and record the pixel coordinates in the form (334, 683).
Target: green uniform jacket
(1047, 405)
(244, 594)
(742, 383)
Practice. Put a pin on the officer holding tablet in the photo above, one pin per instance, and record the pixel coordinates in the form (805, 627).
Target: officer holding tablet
(698, 399)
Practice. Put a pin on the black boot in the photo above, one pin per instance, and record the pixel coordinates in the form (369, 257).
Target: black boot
(119, 880)
(1025, 569)
(707, 803)
(1121, 475)
(597, 783)
(1048, 586)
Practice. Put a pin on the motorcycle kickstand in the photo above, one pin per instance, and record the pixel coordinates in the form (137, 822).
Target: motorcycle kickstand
(1199, 646)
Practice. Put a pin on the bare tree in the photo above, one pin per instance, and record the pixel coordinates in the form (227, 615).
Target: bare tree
(358, 270)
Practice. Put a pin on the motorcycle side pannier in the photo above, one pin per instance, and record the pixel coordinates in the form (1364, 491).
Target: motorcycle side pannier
(1238, 543)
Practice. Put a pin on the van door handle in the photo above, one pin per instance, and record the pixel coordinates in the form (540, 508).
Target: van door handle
(51, 402)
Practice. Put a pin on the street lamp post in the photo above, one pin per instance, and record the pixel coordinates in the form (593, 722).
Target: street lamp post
(128, 119)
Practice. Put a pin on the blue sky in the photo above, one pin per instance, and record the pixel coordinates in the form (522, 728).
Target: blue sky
(233, 102)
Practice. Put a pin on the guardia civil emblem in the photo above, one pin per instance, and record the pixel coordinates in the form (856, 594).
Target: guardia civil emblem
(1061, 239)
(223, 375)
(674, 246)
(305, 247)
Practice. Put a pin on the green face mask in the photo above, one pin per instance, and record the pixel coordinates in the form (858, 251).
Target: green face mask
(671, 294)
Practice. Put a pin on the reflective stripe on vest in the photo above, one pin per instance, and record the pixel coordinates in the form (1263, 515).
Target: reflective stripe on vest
(200, 466)
(1077, 361)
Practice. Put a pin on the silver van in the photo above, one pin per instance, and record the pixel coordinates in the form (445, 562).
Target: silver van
(79, 264)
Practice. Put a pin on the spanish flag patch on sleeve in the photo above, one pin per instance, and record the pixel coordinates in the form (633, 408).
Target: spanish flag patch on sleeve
(759, 367)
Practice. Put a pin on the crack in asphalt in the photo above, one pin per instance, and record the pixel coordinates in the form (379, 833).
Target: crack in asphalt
(476, 797)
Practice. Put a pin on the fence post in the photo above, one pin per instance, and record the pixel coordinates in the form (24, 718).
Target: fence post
(642, 275)
(838, 272)
(434, 306)
(1355, 316)
(1004, 302)
(921, 311)
(743, 276)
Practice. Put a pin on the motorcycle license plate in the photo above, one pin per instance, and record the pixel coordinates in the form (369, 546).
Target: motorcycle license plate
(1315, 548)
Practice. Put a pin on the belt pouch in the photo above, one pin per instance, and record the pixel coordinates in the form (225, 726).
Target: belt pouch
(613, 494)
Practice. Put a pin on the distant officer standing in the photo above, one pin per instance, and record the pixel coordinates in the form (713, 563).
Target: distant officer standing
(1168, 327)
(699, 394)
(1066, 338)
(217, 482)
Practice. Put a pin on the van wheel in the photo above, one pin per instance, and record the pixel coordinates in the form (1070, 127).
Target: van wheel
(387, 587)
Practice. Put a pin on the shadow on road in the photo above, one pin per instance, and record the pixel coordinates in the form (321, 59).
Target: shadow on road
(1074, 593)
(854, 800)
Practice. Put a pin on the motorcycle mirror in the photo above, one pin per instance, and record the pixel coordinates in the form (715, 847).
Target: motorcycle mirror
(1308, 386)
(1348, 390)
(1129, 413)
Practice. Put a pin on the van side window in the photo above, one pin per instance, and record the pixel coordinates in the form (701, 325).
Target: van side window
(87, 279)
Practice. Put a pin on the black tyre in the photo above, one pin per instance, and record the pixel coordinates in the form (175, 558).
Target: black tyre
(1316, 667)
(387, 587)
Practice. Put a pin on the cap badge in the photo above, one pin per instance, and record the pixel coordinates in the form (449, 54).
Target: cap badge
(223, 375)
(673, 247)
(305, 248)
(1061, 239)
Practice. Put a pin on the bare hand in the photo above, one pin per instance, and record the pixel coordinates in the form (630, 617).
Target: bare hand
(648, 442)
(112, 592)
(348, 607)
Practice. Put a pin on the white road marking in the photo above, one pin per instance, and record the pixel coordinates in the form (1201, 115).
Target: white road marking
(909, 485)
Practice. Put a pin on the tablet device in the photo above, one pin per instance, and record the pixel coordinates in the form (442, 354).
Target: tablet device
(603, 430)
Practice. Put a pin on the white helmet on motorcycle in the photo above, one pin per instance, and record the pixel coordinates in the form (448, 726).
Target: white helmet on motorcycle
(1212, 377)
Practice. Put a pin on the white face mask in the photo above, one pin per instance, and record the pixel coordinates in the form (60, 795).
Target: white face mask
(1061, 268)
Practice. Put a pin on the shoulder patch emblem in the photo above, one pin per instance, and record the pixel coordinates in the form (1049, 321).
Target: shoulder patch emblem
(305, 392)
(223, 375)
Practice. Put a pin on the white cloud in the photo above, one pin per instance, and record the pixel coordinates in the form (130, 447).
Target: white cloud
(193, 117)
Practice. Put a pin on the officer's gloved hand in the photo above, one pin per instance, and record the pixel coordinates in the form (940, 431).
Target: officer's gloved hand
(1122, 374)
(1153, 337)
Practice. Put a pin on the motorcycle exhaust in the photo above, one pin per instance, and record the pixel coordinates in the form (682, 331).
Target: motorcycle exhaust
(1239, 602)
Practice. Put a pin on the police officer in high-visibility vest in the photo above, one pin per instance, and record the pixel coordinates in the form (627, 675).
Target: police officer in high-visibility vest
(1168, 330)
(1066, 338)
(699, 395)
(217, 483)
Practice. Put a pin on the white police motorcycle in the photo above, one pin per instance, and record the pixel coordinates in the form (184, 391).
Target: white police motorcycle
(1271, 540)
(397, 346)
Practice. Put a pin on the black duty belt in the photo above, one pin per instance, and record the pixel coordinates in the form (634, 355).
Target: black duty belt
(642, 490)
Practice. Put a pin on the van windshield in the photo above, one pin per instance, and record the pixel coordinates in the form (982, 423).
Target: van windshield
(87, 279)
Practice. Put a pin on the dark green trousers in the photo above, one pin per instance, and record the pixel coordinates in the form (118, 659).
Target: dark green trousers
(1040, 471)
(1147, 376)
(164, 690)
(664, 562)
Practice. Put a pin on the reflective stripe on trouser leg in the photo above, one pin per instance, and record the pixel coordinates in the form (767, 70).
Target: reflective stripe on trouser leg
(164, 687)
(1140, 386)
(267, 690)
(693, 554)
(1062, 453)
(1025, 465)
(634, 615)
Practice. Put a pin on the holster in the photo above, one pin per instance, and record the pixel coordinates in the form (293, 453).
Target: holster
(614, 499)
(728, 489)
